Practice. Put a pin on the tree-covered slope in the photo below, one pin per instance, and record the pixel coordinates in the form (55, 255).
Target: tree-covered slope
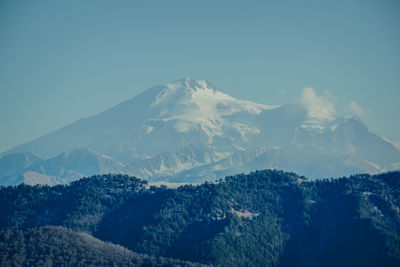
(265, 218)
(59, 246)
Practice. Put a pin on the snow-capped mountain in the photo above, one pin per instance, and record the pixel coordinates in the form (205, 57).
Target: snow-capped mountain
(189, 130)
(161, 119)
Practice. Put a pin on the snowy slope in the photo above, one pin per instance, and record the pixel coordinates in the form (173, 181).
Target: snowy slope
(346, 147)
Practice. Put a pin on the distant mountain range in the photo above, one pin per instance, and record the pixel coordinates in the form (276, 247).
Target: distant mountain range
(190, 131)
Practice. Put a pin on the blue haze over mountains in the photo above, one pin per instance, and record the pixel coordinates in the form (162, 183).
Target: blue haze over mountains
(190, 131)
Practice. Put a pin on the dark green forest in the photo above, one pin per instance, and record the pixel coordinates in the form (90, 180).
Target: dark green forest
(265, 218)
(59, 246)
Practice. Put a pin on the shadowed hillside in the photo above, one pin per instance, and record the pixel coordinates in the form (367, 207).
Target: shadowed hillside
(58, 246)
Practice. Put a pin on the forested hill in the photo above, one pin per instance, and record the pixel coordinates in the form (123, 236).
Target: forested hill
(265, 218)
(58, 246)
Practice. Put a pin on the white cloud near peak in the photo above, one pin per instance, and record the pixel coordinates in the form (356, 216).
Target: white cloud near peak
(353, 106)
(318, 107)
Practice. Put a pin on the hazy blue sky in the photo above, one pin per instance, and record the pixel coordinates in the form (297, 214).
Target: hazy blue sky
(64, 60)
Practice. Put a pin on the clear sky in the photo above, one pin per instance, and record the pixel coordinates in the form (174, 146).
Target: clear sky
(64, 60)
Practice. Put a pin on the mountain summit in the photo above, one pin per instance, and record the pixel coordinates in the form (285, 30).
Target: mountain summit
(189, 130)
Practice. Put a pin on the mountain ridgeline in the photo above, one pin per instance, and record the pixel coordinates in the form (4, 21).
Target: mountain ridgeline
(190, 131)
(265, 218)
